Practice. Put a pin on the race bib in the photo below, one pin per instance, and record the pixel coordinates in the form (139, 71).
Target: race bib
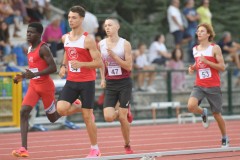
(114, 70)
(71, 69)
(34, 70)
(205, 73)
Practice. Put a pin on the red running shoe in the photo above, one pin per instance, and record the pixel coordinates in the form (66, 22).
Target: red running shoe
(21, 152)
(128, 149)
(94, 153)
(77, 101)
(129, 114)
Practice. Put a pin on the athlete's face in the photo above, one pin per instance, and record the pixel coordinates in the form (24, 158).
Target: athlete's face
(74, 20)
(32, 35)
(202, 33)
(111, 27)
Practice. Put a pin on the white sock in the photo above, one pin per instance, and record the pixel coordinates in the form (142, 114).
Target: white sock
(94, 147)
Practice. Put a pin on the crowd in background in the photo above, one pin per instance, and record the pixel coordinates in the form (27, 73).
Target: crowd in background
(182, 24)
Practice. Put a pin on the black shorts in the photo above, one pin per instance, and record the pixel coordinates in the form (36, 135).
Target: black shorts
(118, 90)
(72, 90)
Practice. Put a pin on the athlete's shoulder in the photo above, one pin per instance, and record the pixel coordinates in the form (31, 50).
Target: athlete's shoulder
(216, 47)
(64, 36)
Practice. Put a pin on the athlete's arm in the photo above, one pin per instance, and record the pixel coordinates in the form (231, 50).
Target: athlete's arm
(63, 67)
(191, 68)
(46, 54)
(127, 63)
(102, 74)
(90, 45)
(220, 65)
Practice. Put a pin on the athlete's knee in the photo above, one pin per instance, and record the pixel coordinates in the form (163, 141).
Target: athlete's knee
(109, 118)
(53, 117)
(191, 108)
(25, 111)
(122, 118)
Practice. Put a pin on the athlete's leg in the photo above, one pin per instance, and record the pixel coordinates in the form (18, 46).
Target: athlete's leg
(125, 127)
(24, 116)
(67, 104)
(193, 102)
(221, 123)
(87, 95)
(214, 97)
(90, 125)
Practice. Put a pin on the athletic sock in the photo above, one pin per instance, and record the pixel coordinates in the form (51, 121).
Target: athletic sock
(94, 147)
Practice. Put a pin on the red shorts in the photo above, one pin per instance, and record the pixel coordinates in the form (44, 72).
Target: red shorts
(45, 91)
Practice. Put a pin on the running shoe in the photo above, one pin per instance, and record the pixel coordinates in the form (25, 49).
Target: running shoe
(77, 101)
(128, 149)
(38, 127)
(129, 114)
(225, 142)
(205, 121)
(94, 153)
(71, 125)
(21, 152)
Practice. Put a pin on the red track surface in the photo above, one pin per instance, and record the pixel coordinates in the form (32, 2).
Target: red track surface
(67, 144)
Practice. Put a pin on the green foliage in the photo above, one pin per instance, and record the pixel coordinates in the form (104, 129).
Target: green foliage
(146, 18)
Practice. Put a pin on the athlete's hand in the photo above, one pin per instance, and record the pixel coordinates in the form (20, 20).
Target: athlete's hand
(18, 78)
(75, 64)
(110, 52)
(29, 74)
(62, 72)
(103, 83)
(190, 69)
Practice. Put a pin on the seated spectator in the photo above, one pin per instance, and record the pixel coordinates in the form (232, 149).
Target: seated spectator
(176, 63)
(43, 7)
(230, 49)
(158, 53)
(10, 16)
(142, 64)
(20, 6)
(5, 45)
(33, 12)
(53, 34)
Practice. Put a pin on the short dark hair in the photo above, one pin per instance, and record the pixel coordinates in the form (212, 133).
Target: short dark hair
(78, 9)
(38, 26)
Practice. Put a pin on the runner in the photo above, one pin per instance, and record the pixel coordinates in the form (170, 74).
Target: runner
(208, 63)
(117, 57)
(81, 58)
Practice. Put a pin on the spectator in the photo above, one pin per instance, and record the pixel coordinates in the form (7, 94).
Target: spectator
(176, 63)
(204, 12)
(10, 16)
(230, 49)
(44, 7)
(176, 25)
(158, 53)
(52, 35)
(5, 44)
(142, 64)
(101, 34)
(34, 14)
(90, 24)
(20, 6)
(192, 18)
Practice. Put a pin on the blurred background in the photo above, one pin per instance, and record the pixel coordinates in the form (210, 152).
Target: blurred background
(147, 25)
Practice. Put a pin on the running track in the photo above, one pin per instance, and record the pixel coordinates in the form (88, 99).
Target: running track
(69, 144)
